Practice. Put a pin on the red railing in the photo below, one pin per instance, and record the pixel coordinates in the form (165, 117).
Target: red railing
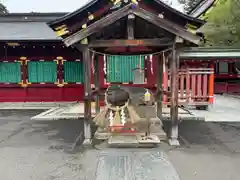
(196, 86)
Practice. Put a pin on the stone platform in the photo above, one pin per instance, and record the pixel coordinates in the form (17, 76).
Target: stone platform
(76, 111)
(135, 141)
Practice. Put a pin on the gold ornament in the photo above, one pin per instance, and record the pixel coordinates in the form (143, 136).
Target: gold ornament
(90, 16)
(84, 26)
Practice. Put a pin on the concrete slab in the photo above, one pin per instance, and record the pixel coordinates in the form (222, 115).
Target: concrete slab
(135, 165)
(224, 109)
(126, 140)
(180, 111)
(149, 139)
(33, 105)
(32, 150)
(76, 111)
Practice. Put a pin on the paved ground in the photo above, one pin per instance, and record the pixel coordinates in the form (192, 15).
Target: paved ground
(225, 108)
(40, 150)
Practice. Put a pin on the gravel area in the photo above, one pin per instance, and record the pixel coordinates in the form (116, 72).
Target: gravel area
(32, 150)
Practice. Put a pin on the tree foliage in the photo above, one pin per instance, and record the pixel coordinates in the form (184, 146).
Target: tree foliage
(223, 24)
(189, 4)
(3, 9)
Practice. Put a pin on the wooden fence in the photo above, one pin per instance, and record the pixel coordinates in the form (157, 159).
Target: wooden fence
(196, 86)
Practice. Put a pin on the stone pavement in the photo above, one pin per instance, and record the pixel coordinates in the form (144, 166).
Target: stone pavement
(33, 105)
(225, 109)
(135, 165)
(31, 150)
(39, 150)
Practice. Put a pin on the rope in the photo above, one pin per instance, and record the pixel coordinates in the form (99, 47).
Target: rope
(163, 51)
(109, 106)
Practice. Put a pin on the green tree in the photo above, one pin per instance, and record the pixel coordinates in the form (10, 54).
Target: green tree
(3, 9)
(223, 24)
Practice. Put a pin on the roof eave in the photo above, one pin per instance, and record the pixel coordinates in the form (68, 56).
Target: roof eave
(72, 14)
(92, 2)
(31, 40)
(147, 16)
(199, 21)
(197, 12)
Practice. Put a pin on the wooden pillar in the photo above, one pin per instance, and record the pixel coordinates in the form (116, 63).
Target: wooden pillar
(174, 97)
(159, 85)
(87, 95)
(97, 82)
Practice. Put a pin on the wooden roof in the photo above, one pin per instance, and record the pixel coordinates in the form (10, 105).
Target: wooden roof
(27, 26)
(99, 7)
(74, 28)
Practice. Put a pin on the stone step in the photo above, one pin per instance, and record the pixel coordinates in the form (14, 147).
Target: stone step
(133, 141)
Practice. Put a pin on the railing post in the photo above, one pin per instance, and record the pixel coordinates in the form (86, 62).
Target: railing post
(205, 85)
(181, 87)
(211, 85)
(188, 93)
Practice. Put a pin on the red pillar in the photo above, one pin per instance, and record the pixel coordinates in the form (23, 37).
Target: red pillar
(211, 85)
(165, 79)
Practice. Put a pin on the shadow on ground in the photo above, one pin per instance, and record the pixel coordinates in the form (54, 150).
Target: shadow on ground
(18, 130)
(217, 137)
(193, 132)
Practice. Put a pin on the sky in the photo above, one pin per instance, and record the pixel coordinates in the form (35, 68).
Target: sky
(49, 5)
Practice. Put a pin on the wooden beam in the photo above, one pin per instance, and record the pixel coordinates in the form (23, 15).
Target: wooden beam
(167, 25)
(174, 96)
(132, 42)
(98, 25)
(130, 26)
